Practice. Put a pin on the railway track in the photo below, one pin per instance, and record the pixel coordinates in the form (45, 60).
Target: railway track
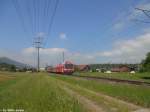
(135, 82)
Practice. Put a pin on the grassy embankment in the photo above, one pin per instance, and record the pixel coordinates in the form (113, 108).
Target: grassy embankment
(139, 95)
(126, 76)
(36, 93)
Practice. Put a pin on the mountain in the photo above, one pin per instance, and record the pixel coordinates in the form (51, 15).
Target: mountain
(13, 62)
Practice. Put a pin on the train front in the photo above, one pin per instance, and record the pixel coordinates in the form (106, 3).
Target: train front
(68, 67)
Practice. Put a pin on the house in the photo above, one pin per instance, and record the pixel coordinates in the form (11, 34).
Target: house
(82, 68)
(121, 69)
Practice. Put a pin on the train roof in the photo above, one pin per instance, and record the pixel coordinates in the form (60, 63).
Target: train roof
(67, 62)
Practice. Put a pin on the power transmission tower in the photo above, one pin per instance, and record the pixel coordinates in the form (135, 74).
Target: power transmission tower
(38, 44)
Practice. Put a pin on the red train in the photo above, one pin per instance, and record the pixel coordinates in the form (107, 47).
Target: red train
(66, 68)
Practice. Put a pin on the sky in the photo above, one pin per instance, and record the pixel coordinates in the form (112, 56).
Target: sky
(87, 31)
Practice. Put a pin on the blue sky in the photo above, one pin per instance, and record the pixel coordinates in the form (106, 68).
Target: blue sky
(81, 27)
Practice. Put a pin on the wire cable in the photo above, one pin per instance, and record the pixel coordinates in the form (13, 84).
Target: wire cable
(18, 11)
(51, 21)
(30, 18)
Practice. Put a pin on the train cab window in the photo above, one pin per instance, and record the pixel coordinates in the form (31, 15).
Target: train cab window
(68, 66)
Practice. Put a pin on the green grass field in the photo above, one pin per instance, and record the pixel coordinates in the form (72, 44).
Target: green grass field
(36, 93)
(137, 94)
(126, 76)
(42, 92)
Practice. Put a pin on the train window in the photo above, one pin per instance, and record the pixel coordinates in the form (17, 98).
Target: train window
(69, 66)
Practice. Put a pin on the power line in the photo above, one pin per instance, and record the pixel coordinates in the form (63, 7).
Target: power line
(35, 13)
(38, 15)
(47, 14)
(35, 16)
(30, 16)
(18, 11)
(46, 3)
(53, 15)
(51, 21)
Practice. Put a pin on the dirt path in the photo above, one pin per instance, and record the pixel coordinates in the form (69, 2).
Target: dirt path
(88, 104)
(135, 108)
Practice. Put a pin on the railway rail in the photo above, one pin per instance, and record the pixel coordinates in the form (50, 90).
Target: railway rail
(135, 82)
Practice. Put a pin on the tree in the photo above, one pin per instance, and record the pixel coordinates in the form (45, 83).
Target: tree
(7, 67)
(146, 63)
(12, 68)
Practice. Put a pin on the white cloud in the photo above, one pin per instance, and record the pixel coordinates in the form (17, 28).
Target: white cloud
(62, 36)
(54, 56)
(129, 51)
(118, 26)
(47, 55)
(133, 50)
(125, 18)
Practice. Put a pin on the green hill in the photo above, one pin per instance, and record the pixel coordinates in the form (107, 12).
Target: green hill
(12, 62)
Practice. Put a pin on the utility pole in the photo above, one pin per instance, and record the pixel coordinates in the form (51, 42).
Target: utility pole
(63, 56)
(38, 44)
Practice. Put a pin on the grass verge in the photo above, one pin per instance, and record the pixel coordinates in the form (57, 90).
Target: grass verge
(145, 77)
(139, 95)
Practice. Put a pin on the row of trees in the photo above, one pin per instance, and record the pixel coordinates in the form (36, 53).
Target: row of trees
(13, 68)
(145, 64)
(7, 67)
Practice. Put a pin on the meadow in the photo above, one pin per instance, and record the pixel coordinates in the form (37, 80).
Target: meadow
(43, 92)
(139, 95)
(145, 77)
(36, 93)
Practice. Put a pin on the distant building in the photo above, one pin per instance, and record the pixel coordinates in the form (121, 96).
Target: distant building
(42, 69)
(82, 67)
(98, 70)
(121, 69)
(108, 72)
